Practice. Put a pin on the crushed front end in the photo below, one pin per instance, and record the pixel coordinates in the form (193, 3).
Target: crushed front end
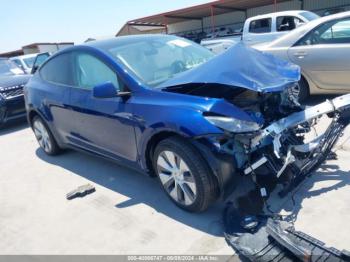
(254, 103)
(287, 148)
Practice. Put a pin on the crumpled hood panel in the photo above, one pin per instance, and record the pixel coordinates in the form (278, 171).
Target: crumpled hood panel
(241, 66)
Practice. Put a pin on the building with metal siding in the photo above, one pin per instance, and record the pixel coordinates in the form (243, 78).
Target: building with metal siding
(38, 48)
(321, 6)
(196, 19)
(45, 47)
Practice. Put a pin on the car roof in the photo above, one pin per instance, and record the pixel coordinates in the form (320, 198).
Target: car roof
(282, 13)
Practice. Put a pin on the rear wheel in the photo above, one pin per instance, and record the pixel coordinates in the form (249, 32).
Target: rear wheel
(44, 137)
(184, 175)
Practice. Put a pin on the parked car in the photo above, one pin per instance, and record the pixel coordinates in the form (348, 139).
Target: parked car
(220, 32)
(25, 62)
(12, 81)
(333, 11)
(322, 50)
(263, 29)
(220, 45)
(169, 107)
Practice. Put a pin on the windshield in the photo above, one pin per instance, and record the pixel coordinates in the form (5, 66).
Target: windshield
(155, 60)
(8, 67)
(309, 15)
(29, 61)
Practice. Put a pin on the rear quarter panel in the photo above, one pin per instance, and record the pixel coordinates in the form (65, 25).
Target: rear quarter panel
(48, 100)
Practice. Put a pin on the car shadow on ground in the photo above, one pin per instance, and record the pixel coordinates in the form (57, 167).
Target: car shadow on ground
(142, 189)
(13, 127)
(316, 99)
(138, 187)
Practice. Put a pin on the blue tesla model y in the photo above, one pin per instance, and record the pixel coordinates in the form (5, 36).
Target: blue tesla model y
(169, 107)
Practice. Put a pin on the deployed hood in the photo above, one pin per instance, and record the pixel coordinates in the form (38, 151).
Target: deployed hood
(241, 66)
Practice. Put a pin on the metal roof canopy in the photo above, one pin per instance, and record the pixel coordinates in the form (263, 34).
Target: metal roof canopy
(46, 43)
(199, 12)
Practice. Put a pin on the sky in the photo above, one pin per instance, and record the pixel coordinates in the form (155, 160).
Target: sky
(23, 22)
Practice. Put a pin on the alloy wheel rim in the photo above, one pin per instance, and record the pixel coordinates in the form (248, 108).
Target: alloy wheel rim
(42, 136)
(176, 178)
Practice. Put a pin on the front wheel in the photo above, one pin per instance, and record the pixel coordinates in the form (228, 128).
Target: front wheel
(44, 137)
(302, 90)
(184, 175)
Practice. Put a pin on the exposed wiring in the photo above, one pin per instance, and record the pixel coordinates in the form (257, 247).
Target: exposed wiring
(272, 213)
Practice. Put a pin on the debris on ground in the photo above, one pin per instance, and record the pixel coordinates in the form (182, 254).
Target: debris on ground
(81, 191)
(273, 239)
(332, 156)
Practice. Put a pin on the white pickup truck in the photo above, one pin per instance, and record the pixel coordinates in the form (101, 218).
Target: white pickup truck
(262, 29)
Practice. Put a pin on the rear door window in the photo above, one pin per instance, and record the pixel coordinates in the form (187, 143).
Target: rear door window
(260, 26)
(335, 32)
(58, 70)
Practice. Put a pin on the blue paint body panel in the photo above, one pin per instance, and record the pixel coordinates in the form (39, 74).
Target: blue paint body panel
(121, 127)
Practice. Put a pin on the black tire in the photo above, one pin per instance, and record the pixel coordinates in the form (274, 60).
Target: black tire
(2, 118)
(304, 91)
(206, 185)
(51, 150)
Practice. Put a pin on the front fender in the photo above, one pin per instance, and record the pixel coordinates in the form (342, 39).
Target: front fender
(189, 124)
(183, 122)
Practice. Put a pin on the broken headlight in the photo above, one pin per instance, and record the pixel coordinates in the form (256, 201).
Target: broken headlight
(232, 124)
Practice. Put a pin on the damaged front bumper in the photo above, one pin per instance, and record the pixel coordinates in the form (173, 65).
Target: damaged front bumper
(280, 148)
(278, 151)
(339, 105)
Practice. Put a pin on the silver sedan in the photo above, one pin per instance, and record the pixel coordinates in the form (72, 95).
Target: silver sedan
(322, 49)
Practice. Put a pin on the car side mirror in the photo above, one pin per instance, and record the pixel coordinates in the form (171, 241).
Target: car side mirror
(108, 90)
(105, 90)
